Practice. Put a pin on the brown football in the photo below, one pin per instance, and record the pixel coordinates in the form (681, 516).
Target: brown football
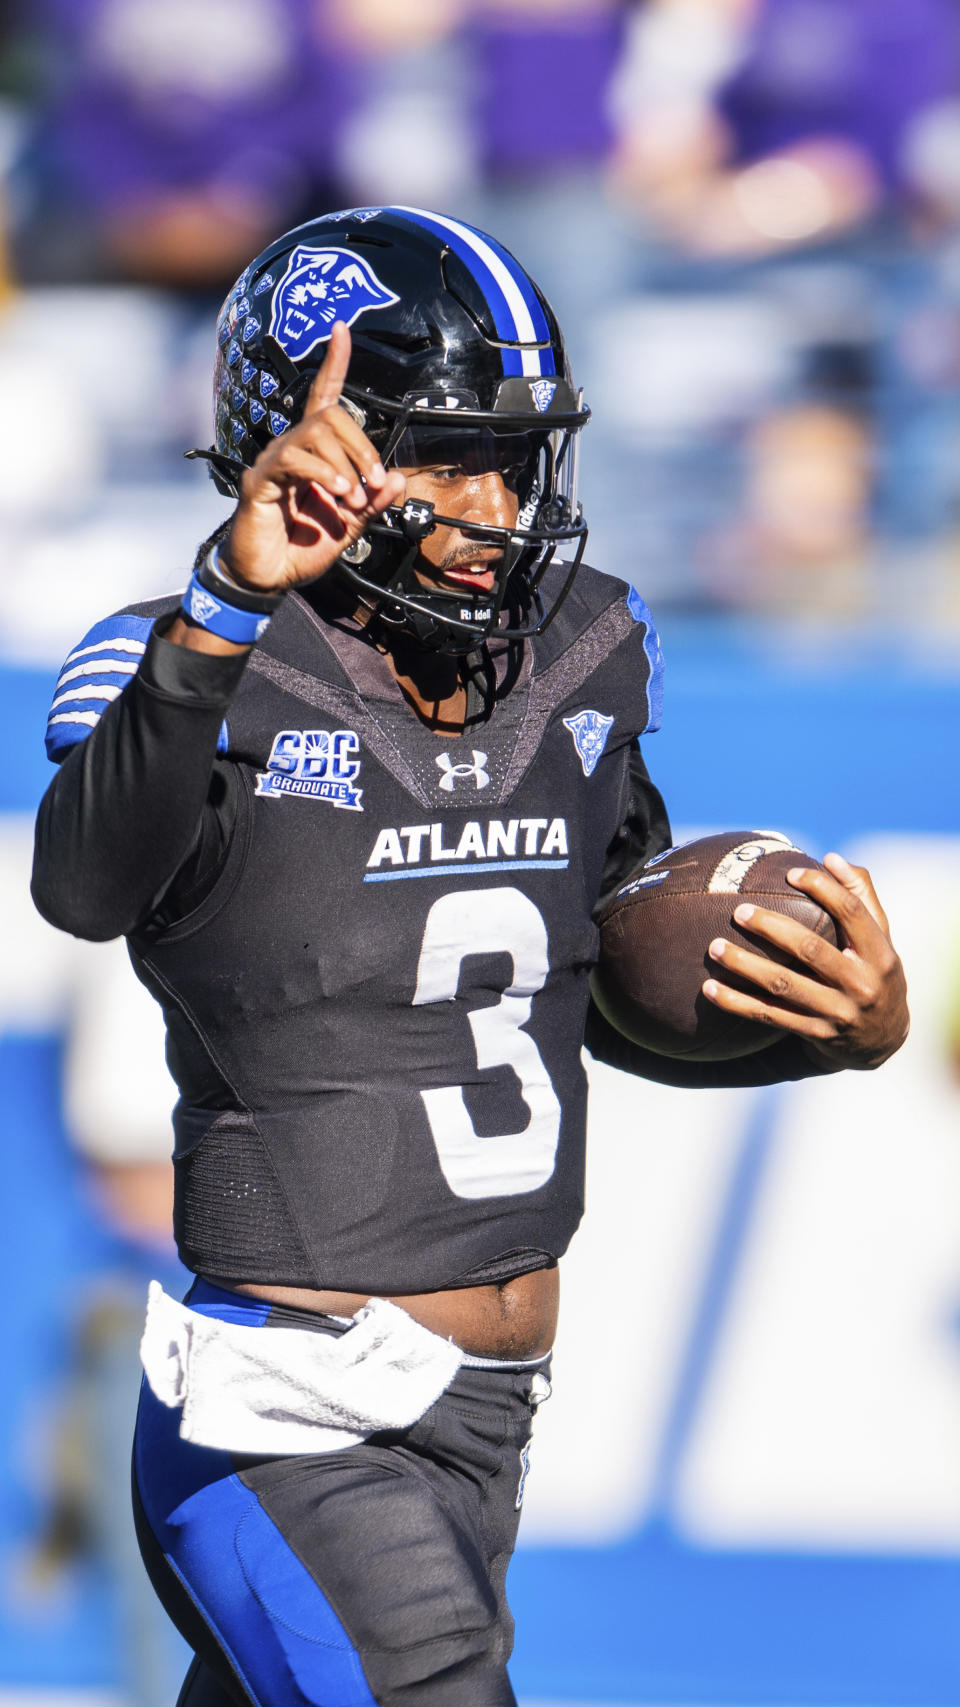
(655, 933)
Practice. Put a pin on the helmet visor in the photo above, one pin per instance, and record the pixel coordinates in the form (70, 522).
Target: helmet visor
(539, 467)
(470, 451)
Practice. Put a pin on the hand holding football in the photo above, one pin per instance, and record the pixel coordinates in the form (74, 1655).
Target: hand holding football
(655, 934)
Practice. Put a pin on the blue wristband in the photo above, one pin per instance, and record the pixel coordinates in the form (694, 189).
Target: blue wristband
(221, 615)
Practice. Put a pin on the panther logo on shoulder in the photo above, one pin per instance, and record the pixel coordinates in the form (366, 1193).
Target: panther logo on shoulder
(319, 287)
(589, 730)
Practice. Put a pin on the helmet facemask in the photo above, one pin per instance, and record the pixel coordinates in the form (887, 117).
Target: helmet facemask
(391, 576)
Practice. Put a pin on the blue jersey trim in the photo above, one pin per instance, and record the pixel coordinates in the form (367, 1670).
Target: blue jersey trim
(120, 627)
(651, 646)
(464, 870)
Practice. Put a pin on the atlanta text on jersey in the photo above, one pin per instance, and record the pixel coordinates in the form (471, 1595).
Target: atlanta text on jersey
(422, 851)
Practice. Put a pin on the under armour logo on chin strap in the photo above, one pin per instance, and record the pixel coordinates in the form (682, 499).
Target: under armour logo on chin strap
(452, 771)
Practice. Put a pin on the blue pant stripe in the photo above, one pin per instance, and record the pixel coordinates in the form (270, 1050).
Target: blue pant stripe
(272, 1619)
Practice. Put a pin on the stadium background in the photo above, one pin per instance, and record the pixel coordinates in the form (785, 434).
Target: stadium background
(746, 1489)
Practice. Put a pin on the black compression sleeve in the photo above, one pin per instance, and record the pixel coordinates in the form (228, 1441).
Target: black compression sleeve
(784, 1059)
(131, 803)
(644, 831)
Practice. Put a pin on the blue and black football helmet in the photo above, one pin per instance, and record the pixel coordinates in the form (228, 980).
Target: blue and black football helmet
(456, 355)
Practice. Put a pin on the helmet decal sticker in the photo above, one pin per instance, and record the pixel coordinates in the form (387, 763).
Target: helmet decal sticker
(238, 397)
(247, 370)
(242, 308)
(251, 327)
(233, 352)
(268, 385)
(264, 284)
(278, 423)
(360, 214)
(238, 431)
(319, 287)
(542, 390)
(257, 411)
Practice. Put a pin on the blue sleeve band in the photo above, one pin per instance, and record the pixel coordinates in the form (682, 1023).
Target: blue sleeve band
(243, 627)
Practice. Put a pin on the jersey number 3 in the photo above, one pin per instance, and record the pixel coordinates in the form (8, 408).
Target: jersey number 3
(503, 921)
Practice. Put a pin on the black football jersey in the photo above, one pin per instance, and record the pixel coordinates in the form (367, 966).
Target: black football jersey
(376, 997)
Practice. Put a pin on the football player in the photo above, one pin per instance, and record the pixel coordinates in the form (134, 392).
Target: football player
(355, 800)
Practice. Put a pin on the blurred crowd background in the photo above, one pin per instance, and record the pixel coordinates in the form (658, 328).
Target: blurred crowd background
(747, 213)
(747, 216)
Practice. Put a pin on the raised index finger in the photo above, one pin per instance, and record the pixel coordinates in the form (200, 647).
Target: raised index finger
(329, 380)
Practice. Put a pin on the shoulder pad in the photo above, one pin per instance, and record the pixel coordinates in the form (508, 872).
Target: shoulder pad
(591, 596)
(96, 672)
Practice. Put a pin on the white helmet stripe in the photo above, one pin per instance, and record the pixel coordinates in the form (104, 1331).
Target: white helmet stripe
(523, 327)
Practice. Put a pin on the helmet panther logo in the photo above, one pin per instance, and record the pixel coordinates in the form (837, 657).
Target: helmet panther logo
(542, 390)
(319, 287)
(589, 730)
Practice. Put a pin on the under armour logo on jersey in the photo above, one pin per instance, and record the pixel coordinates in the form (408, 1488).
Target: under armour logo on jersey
(589, 730)
(319, 287)
(453, 772)
(542, 390)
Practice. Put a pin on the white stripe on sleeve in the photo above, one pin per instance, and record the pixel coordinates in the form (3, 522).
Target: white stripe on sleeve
(92, 718)
(121, 644)
(98, 667)
(105, 692)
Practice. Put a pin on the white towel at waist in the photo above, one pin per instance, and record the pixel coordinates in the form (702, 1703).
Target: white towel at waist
(289, 1390)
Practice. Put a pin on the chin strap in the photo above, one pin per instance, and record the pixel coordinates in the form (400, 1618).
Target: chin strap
(479, 678)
